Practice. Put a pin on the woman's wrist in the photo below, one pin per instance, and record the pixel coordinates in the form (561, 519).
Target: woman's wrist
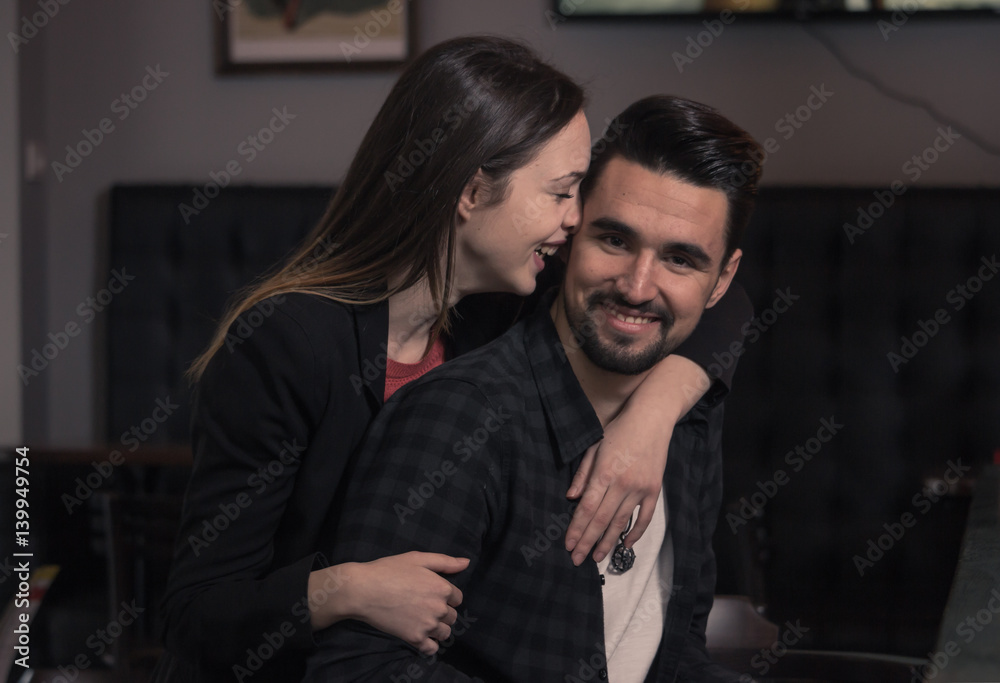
(330, 596)
(671, 390)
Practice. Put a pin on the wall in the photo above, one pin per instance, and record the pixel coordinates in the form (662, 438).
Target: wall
(10, 243)
(191, 124)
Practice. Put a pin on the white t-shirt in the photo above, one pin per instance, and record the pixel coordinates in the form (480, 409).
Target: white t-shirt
(635, 602)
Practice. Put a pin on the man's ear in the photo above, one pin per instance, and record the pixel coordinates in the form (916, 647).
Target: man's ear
(473, 196)
(725, 278)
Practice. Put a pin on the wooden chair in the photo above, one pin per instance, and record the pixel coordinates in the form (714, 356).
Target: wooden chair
(140, 531)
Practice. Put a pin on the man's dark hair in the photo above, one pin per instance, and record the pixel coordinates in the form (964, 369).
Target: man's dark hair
(692, 142)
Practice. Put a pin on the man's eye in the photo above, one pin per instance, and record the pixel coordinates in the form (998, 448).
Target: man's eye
(614, 241)
(677, 260)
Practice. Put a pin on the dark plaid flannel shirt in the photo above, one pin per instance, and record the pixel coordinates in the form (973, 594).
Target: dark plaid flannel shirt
(474, 460)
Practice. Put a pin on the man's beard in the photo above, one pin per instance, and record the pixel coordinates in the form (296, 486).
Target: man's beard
(617, 355)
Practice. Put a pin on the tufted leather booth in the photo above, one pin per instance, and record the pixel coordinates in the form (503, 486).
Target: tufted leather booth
(861, 291)
(831, 302)
(186, 268)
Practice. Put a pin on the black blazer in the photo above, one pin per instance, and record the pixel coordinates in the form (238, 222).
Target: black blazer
(277, 415)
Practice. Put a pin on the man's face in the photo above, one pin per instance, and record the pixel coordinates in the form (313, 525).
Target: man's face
(645, 263)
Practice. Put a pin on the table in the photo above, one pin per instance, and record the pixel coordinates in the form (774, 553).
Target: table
(968, 646)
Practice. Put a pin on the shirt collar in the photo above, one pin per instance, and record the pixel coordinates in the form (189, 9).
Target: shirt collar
(568, 411)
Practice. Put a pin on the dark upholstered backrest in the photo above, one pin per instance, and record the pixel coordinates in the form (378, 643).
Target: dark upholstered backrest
(831, 302)
(186, 269)
(859, 291)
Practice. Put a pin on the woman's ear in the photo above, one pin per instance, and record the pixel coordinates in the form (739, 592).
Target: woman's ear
(473, 196)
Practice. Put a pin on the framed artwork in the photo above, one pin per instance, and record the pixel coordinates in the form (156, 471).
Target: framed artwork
(311, 35)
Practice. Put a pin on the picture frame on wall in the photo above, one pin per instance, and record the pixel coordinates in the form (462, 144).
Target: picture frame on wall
(312, 35)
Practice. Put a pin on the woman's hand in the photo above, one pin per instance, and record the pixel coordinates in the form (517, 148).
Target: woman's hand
(402, 595)
(625, 469)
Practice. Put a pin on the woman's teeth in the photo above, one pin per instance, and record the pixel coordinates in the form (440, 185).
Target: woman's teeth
(546, 251)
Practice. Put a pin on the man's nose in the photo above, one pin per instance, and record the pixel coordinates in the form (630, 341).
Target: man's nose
(636, 283)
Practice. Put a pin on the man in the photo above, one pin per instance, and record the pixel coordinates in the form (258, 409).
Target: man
(475, 460)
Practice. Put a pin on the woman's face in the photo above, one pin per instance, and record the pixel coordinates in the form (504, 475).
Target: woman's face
(499, 247)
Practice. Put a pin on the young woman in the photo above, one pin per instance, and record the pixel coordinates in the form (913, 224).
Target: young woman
(464, 184)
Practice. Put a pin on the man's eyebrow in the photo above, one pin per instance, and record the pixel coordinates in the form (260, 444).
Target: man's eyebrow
(692, 251)
(614, 225)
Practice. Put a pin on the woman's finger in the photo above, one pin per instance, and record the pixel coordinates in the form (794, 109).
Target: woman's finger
(613, 532)
(436, 562)
(581, 527)
(428, 646)
(646, 509)
(583, 473)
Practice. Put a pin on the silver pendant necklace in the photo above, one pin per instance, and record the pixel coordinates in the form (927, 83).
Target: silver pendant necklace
(623, 558)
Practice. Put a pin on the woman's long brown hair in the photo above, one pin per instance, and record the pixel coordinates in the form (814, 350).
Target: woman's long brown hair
(466, 104)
